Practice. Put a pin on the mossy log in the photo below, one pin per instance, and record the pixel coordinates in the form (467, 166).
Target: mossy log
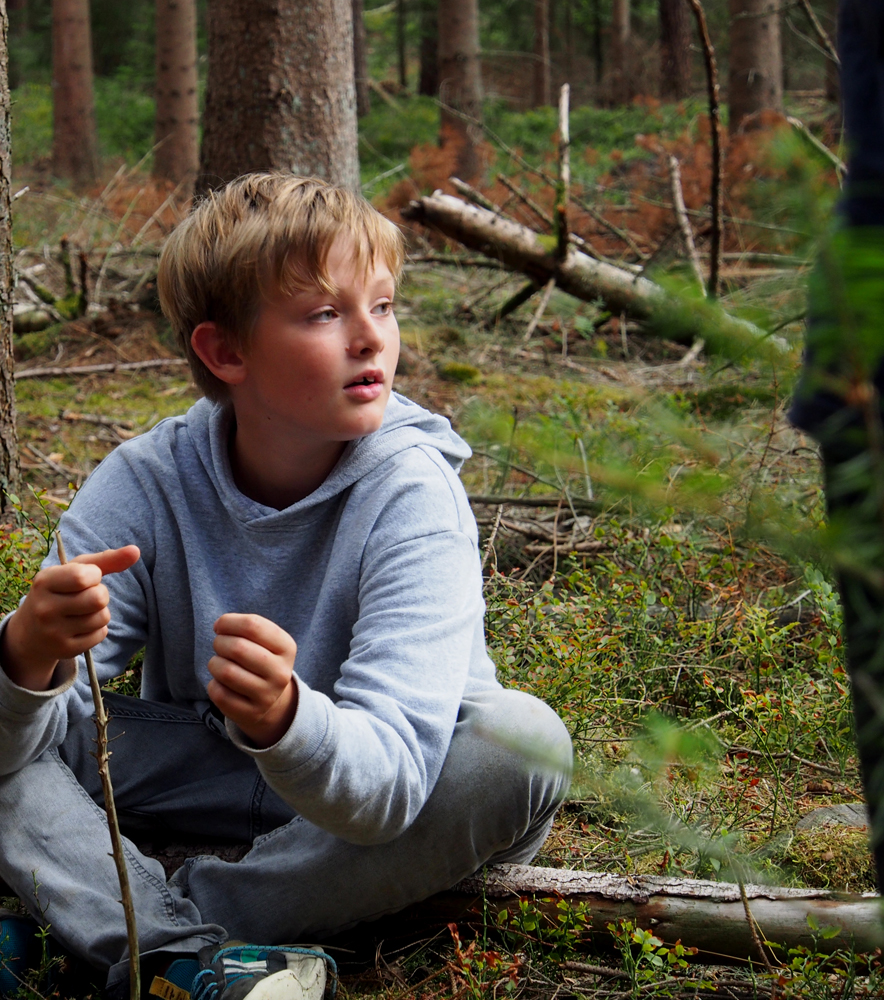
(681, 318)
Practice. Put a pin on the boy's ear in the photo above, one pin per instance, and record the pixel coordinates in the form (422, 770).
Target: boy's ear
(224, 361)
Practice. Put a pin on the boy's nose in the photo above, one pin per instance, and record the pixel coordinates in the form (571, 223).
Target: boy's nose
(365, 337)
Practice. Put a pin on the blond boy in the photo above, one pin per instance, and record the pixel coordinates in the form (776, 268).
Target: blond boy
(298, 558)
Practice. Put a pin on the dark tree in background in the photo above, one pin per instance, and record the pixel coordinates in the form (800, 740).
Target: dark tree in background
(74, 141)
(620, 81)
(428, 80)
(460, 83)
(9, 463)
(755, 80)
(675, 50)
(280, 91)
(360, 59)
(542, 86)
(176, 157)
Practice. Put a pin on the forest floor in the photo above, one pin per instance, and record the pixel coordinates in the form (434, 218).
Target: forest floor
(670, 597)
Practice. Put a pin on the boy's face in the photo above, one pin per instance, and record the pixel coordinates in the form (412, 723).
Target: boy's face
(319, 367)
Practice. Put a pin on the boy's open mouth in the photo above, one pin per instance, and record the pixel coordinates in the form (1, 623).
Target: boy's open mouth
(365, 380)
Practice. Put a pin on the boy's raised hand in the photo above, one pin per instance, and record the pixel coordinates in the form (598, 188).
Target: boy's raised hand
(252, 676)
(64, 613)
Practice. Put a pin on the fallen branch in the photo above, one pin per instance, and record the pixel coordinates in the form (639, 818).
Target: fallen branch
(521, 249)
(681, 217)
(112, 366)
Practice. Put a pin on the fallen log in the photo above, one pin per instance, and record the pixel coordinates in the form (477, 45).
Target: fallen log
(706, 915)
(521, 249)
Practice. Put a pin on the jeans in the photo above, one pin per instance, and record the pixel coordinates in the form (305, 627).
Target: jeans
(507, 770)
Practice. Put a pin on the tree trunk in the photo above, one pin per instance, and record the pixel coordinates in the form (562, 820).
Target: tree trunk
(675, 50)
(620, 81)
(428, 83)
(9, 464)
(74, 142)
(521, 249)
(755, 81)
(541, 89)
(360, 59)
(280, 93)
(176, 157)
(460, 75)
(400, 45)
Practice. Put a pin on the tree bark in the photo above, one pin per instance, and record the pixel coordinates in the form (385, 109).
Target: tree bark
(675, 50)
(755, 81)
(460, 75)
(9, 463)
(541, 81)
(402, 69)
(360, 59)
(280, 93)
(521, 249)
(176, 157)
(74, 141)
(620, 82)
(428, 82)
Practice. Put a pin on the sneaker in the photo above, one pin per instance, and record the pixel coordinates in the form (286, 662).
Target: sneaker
(20, 950)
(286, 972)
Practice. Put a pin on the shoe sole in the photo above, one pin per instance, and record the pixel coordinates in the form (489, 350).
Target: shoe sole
(304, 982)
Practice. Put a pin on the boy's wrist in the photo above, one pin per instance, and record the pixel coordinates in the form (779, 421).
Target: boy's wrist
(23, 668)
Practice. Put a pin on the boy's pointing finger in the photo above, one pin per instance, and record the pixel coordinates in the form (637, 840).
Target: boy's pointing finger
(111, 560)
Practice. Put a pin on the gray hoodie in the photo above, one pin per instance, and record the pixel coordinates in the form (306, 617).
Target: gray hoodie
(376, 575)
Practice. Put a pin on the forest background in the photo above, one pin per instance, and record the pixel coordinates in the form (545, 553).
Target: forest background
(658, 565)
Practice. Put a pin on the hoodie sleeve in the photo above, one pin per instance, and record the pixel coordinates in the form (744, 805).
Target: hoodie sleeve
(362, 767)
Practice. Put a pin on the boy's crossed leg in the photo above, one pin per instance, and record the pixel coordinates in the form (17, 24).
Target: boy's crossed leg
(494, 801)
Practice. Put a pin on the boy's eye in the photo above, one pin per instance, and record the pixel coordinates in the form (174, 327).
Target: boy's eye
(383, 308)
(322, 316)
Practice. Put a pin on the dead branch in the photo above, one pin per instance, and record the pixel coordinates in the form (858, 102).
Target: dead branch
(541, 308)
(521, 249)
(103, 758)
(563, 188)
(90, 369)
(681, 217)
(496, 500)
(716, 193)
(821, 32)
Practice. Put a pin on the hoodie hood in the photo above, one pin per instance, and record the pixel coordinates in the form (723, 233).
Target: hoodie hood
(406, 425)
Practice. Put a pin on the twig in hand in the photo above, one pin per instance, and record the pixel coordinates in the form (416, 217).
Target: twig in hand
(102, 756)
(681, 217)
(715, 195)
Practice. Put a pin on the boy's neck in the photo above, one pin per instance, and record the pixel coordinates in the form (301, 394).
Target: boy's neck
(277, 475)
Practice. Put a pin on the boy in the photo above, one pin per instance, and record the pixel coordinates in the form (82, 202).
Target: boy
(298, 557)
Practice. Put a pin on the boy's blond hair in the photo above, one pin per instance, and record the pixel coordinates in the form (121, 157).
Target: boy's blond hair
(260, 235)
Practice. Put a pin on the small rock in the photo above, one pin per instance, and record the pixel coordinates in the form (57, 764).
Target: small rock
(846, 814)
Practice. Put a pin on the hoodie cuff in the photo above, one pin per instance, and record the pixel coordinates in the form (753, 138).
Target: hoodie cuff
(17, 702)
(303, 741)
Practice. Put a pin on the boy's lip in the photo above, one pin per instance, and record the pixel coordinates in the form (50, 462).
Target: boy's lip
(367, 387)
(373, 376)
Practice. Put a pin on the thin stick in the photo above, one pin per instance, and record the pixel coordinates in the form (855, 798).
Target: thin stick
(564, 185)
(103, 757)
(681, 217)
(539, 311)
(715, 194)
(821, 32)
(489, 545)
(112, 366)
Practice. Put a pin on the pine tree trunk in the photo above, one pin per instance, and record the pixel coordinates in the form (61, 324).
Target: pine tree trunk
(428, 84)
(360, 59)
(675, 50)
(9, 464)
(460, 73)
(281, 93)
(74, 142)
(400, 45)
(620, 83)
(176, 157)
(755, 81)
(541, 89)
